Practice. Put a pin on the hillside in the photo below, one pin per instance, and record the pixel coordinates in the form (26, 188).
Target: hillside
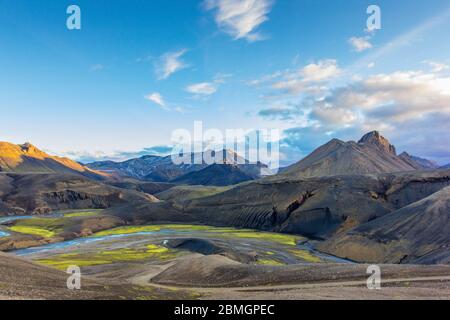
(371, 154)
(46, 193)
(215, 175)
(26, 158)
(417, 233)
(316, 207)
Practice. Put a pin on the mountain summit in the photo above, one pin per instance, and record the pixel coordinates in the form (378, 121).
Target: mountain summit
(26, 158)
(373, 153)
(375, 139)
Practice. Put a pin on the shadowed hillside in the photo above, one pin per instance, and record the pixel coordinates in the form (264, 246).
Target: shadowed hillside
(417, 233)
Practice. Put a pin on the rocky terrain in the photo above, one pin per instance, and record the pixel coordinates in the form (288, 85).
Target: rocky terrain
(416, 233)
(21, 279)
(41, 193)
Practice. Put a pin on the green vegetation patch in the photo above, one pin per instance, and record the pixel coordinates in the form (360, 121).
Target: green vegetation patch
(33, 231)
(284, 239)
(82, 214)
(43, 227)
(152, 251)
(49, 227)
(305, 255)
(269, 262)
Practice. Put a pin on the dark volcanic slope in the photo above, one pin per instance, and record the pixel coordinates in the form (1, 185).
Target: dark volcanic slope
(26, 158)
(319, 207)
(372, 154)
(215, 175)
(417, 233)
(44, 193)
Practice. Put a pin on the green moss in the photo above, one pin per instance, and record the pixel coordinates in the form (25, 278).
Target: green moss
(267, 236)
(285, 239)
(81, 214)
(305, 255)
(63, 261)
(270, 262)
(33, 231)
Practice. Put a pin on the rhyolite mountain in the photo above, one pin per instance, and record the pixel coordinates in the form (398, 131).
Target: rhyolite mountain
(162, 169)
(26, 158)
(371, 154)
(215, 175)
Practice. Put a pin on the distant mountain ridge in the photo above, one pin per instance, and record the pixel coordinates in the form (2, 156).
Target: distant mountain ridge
(26, 158)
(417, 162)
(373, 153)
(162, 169)
(215, 175)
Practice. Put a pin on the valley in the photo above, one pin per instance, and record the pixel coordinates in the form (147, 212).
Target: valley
(309, 231)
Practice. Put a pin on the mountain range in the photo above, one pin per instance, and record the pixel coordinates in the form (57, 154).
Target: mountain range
(360, 199)
(162, 169)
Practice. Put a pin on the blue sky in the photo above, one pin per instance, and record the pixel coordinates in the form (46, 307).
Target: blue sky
(137, 70)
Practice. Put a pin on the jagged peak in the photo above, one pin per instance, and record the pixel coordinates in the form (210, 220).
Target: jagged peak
(374, 138)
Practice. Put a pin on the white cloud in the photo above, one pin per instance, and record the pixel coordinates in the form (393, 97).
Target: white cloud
(360, 44)
(202, 89)
(169, 63)
(309, 78)
(240, 18)
(437, 66)
(157, 98)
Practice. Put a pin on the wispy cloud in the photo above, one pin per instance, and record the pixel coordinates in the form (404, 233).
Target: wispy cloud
(169, 63)
(308, 78)
(205, 89)
(240, 18)
(157, 98)
(360, 44)
(437, 66)
(394, 103)
(202, 89)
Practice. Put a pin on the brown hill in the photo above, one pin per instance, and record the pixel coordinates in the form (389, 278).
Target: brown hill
(372, 154)
(49, 192)
(26, 158)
